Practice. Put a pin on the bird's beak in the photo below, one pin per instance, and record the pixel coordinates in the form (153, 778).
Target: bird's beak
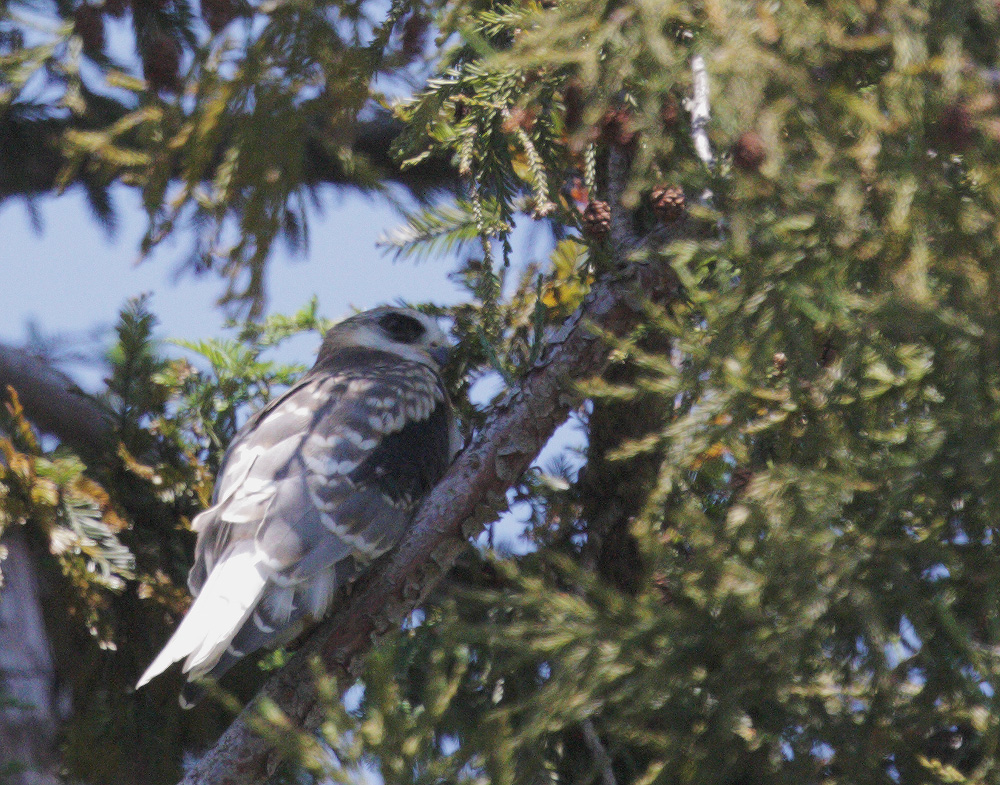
(441, 355)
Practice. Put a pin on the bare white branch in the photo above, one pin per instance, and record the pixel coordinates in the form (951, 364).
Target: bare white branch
(700, 108)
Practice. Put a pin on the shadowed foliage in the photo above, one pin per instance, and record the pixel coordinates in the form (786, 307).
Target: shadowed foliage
(778, 563)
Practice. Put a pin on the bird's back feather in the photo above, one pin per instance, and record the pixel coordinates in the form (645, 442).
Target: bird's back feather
(315, 486)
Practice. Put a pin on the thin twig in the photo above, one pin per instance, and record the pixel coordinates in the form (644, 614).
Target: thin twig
(601, 757)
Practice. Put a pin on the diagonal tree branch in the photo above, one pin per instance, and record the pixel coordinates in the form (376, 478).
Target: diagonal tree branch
(54, 402)
(471, 493)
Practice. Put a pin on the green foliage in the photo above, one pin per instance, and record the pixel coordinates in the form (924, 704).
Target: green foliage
(811, 599)
(73, 513)
(779, 564)
(442, 229)
(210, 407)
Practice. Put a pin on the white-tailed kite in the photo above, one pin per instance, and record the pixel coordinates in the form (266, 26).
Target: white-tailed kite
(315, 486)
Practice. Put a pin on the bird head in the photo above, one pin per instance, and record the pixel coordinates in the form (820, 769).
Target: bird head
(401, 331)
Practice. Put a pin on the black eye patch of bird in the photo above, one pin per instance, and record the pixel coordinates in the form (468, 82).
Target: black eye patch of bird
(313, 488)
(401, 327)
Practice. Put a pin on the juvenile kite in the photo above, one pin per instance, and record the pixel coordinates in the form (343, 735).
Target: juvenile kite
(315, 486)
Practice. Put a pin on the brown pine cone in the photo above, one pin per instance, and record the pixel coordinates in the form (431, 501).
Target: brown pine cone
(616, 127)
(670, 111)
(218, 13)
(749, 151)
(88, 22)
(161, 62)
(955, 127)
(668, 203)
(597, 220)
(414, 36)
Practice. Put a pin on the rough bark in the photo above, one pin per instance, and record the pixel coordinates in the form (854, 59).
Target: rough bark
(472, 493)
(29, 701)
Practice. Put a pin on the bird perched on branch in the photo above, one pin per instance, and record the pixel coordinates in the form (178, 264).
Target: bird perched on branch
(315, 486)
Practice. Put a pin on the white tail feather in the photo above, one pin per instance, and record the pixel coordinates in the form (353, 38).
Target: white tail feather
(230, 593)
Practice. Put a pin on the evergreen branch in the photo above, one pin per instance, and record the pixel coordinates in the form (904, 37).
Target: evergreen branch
(471, 494)
(440, 229)
(31, 161)
(54, 403)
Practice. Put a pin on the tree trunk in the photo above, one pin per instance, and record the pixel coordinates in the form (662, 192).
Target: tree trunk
(30, 708)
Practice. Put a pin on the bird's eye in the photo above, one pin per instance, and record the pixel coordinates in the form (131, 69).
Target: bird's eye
(402, 328)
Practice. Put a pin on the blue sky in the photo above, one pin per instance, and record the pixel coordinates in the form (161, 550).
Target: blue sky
(73, 277)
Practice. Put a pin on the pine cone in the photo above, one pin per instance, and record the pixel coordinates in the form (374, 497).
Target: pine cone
(414, 36)
(88, 22)
(597, 220)
(749, 151)
(670, 111)
(161, 62)
(955, 128)
(668, 203)
(116, 8)
(218, 13)
(616, 127)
